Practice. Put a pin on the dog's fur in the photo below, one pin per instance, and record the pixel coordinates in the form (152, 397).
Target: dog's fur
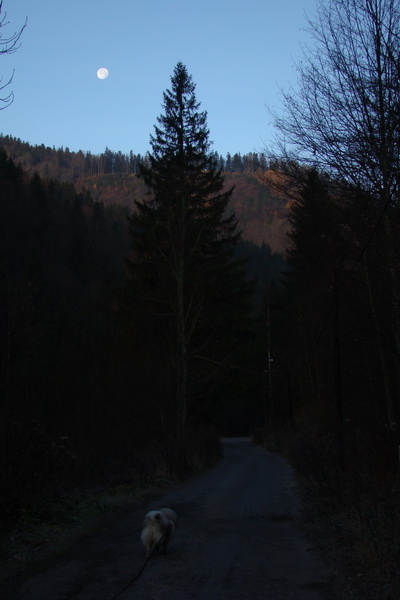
(158, 529)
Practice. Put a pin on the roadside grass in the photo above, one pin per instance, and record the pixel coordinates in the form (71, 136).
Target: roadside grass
(50, 531)
(53, 522)
(355, 505)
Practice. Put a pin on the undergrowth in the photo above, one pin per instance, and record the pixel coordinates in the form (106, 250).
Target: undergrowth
(354, 494)
(58, 525)
(54, 517)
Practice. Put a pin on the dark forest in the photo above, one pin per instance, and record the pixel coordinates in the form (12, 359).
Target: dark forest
(78, 401)
(151, 304)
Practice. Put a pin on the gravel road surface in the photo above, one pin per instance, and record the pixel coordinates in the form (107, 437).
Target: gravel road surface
(240, 536)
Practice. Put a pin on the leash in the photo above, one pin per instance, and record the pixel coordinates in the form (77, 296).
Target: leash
(141, 570)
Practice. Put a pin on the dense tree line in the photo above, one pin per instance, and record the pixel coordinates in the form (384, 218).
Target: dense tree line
(65, 164)
(337, 313)
(333, 395)
(61, 254)
(246, 163)
(335, 330)
(88, 391)
(259, 208)
(347, 170)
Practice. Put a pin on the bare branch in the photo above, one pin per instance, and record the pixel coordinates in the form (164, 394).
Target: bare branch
(343, 115)
(8, 45)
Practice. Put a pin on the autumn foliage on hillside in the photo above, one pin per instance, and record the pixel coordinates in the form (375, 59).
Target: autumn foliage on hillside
(75, 408)
(112, 178)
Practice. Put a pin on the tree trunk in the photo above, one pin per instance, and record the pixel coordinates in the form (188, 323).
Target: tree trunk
(389, 402)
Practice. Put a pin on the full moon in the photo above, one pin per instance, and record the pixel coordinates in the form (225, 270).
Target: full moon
(102, 73)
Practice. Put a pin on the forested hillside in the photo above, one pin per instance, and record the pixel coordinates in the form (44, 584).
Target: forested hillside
(79, 395)
(133, 334)
(61, 258)
(112, 178)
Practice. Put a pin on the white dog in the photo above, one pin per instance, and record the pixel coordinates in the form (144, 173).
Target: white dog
(158, 529)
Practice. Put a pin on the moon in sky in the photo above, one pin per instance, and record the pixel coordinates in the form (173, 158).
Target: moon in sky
(102, 73)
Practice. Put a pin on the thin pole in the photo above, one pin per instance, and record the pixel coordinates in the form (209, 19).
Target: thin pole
(337, 367)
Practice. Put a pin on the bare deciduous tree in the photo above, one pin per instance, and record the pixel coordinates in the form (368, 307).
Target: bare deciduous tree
(344, 115)
(344, 118)
(8, 45)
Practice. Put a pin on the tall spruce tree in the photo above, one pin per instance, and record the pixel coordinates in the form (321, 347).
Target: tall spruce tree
(182, 281)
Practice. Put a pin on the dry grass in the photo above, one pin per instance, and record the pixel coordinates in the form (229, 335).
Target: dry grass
(356, 503)
(60, 524)
(54, 520)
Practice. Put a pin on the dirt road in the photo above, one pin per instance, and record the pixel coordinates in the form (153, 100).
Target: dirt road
(240, 536)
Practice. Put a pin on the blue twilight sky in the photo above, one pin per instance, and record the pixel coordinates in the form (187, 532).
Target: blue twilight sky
(239, 52)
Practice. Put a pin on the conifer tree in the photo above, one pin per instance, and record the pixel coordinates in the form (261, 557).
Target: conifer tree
(181, 277)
